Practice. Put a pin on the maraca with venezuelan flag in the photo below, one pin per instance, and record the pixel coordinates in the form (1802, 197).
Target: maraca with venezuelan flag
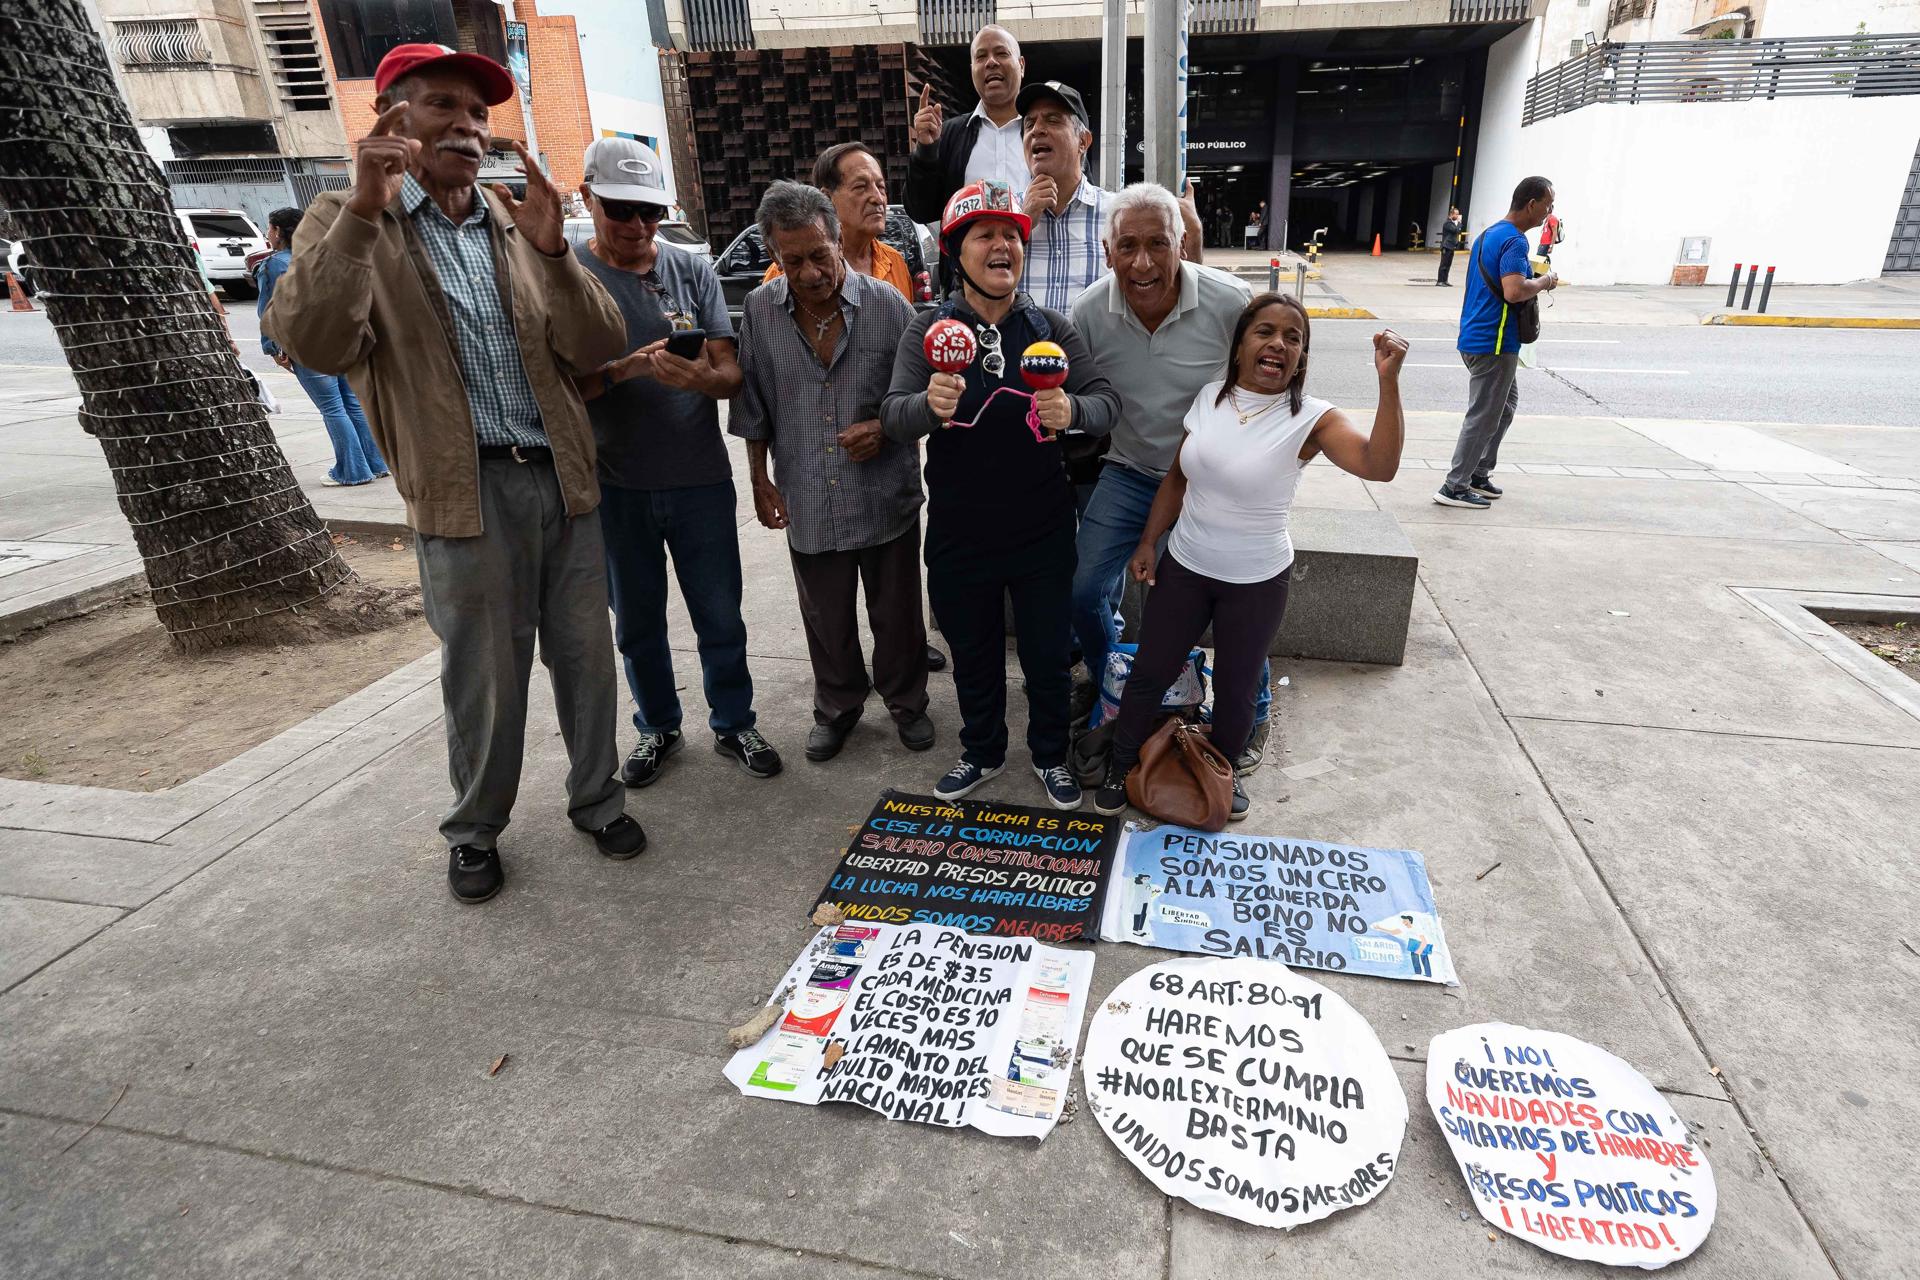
(1043, 366)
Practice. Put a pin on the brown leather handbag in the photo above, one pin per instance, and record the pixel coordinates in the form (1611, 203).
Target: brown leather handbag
(1182, 778)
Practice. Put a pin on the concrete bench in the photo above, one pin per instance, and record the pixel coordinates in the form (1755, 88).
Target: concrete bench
(1352, 591)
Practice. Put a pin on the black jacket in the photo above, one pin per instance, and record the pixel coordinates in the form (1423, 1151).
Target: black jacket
(934, 174)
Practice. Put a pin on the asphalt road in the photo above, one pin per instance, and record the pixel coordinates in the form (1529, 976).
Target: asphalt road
(1836, 376)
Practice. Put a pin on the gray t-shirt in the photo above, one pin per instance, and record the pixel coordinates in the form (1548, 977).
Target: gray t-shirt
(651, 436)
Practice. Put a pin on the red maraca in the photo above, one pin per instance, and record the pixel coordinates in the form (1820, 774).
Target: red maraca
(1044, 366)
(951, 346)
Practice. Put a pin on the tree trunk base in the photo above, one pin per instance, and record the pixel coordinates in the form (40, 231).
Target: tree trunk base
(356, 608)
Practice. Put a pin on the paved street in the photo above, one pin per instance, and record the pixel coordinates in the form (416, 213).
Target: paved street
(1701, 810)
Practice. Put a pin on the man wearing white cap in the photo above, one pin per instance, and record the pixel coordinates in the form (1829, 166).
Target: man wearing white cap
(665, 480)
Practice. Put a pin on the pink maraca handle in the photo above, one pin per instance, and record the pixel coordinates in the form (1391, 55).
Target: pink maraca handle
(1033, 413)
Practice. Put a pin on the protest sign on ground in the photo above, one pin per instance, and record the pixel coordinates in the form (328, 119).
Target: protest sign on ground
(1246, 1089)
(926, 1024)
(988, 868)
(1303, 903)
(1567, 1147)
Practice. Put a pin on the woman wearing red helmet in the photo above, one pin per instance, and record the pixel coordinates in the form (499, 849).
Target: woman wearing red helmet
(999, 503)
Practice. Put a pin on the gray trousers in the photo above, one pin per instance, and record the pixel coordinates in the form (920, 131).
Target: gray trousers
(1493, 393)
(829, 584)
(533, 573)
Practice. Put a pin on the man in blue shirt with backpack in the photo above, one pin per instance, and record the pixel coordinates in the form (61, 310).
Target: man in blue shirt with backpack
(1501, 289)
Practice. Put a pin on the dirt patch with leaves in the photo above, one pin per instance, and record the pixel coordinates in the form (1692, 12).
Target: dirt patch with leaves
(106, 700)
(1898, 643)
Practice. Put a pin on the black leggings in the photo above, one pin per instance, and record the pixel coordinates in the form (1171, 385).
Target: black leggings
(1245, 618)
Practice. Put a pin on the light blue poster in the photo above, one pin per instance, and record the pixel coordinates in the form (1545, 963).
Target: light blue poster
(1311, 905)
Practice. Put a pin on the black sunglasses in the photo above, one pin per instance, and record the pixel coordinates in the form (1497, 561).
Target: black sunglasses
(628, 210)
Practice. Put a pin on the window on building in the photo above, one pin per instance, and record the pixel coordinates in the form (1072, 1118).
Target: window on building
(361, 31)
(293, 52)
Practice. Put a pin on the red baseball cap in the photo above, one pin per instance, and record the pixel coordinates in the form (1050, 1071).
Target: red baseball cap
(495, 82)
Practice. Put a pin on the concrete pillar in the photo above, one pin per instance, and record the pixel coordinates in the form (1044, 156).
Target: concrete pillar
(1113, 95)
(1285, 74)
(1165, 71)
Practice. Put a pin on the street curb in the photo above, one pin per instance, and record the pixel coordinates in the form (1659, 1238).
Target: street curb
(1340, 313)
(1815, 322)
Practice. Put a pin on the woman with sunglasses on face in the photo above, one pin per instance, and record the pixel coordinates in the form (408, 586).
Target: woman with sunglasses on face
(1226, 500)
(999, 503)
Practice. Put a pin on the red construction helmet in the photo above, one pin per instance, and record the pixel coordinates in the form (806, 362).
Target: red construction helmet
(986, 198)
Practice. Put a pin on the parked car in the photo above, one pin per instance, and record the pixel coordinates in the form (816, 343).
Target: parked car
(677, 234)
(224, 238)
(746, 260)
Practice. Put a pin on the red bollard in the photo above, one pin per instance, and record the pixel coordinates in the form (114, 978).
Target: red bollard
(1766, 290)
(1733, 285)
(1746, 299)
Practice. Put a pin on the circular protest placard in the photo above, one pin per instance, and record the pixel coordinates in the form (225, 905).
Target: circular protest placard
(1245, 1089)
(1567, 1147)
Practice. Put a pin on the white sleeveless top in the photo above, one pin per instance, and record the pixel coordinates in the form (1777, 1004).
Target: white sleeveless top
(1241, 478)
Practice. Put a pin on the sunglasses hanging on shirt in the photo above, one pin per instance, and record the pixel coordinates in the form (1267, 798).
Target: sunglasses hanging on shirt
(992, 358)
(677, 320)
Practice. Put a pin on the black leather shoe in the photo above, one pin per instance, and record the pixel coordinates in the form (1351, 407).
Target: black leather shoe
(916, 734)
(473, 874)
(825, 740)
(936, 660)
(620, 839)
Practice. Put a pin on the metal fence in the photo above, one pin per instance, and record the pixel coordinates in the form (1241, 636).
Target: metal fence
(1489, 10)
(258, 185)
(954, 21)
(1854, 66)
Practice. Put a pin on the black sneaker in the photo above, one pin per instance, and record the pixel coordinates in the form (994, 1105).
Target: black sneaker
(620, 839)
(962, 779)
(1240, 802)
(936, 660)
(916, 734)
(1486, 488)
(473, 874)
(651, 752)
(1063, 789)
(750, 751)
(1111, 798)
(1460, 498)
(825, 740)
(1256, 751)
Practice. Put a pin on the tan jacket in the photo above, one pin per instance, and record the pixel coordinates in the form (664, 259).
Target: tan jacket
(361, 298)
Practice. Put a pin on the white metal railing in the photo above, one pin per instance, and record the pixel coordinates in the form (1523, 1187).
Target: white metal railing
(161, 42)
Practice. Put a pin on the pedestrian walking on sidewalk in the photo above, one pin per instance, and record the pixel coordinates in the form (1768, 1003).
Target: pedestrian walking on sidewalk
(816, 349)
(1227, 500)
(462, 317)
(665, 479)
(356, 458)
(999, 503)
(1490, 343)
(1450, 232)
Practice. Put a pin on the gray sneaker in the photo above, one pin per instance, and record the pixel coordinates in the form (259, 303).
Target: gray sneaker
(1256, 751)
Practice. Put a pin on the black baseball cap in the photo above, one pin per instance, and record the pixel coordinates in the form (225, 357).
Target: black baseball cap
(1065, 93)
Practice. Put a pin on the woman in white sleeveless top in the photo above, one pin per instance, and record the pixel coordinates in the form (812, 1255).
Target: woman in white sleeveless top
(1226, 500)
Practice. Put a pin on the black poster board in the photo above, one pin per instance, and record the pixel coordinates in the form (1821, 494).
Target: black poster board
(977, 865)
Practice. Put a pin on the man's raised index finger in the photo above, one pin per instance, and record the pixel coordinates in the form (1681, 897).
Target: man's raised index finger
(926, 91)
(388, 121)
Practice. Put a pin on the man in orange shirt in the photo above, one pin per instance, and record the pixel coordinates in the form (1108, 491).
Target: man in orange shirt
(852, 179)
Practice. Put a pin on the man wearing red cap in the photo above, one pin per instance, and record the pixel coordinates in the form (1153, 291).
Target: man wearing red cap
(461, 319)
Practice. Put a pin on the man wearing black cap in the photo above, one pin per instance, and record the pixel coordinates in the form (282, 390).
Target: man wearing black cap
(1065, 255)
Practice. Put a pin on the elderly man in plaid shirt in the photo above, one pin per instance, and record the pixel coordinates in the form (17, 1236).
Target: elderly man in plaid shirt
(1065, 254)
(817, 348)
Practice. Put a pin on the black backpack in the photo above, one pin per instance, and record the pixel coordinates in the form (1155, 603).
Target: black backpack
(1526, 315)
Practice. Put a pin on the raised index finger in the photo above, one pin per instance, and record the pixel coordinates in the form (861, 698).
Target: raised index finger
(926, 92)
(388, 121)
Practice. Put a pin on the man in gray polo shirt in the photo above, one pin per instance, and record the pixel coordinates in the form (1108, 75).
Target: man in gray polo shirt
(817, 347)
(665, 482)
(1160, 328)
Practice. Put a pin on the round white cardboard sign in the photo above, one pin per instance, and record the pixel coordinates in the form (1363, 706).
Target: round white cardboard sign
(1245, 1089)
(1567, 1147)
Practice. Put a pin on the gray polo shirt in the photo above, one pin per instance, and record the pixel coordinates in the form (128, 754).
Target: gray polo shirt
(1158, 374)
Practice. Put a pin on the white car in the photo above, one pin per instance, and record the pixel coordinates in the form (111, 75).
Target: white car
(224, 238)
(677, 234)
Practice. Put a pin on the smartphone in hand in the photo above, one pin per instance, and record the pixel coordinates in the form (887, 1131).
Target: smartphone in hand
(686, 343)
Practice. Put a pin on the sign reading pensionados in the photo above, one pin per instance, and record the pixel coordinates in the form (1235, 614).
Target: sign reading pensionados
(979, 867)
(1566, 1146)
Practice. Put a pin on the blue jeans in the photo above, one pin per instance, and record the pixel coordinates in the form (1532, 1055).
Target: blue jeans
(356, 459)
(697, 525)
(1110, 529)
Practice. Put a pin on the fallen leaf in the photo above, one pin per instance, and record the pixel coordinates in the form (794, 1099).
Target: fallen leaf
(834, 1053)
(753, 1028)
(396, 545)
(498, 1063)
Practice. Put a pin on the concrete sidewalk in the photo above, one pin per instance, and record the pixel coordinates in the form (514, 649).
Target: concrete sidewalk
(1702, 821)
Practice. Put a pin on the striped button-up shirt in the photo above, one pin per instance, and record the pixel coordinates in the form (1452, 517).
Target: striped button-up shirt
(800, 407)
(1065, 254)
(498, 393)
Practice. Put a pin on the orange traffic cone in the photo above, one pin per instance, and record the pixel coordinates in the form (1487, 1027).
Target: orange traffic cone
(17, 294)
(1376, 244)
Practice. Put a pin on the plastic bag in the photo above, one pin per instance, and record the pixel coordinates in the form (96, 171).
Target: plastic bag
(1185, 695)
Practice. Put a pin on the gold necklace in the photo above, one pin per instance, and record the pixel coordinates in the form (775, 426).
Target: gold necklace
(1247, 415)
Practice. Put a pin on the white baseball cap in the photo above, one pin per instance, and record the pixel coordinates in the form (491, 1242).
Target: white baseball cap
(627, 169)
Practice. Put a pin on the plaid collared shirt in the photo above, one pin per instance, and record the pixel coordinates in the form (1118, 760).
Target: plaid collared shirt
(790, 400)
(1065, 254)
(498, 393)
